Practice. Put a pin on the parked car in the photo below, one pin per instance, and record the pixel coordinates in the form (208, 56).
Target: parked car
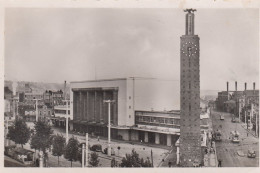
(235, 120)
(251, 153)
(222, 117)
(112, 151)
(96, 147)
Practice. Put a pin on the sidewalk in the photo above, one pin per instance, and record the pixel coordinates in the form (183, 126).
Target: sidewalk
(210, 159)
(248, 130)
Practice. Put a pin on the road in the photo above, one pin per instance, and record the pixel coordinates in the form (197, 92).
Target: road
(234, 154)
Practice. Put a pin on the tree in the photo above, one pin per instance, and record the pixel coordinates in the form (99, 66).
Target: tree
(20, 133)
(72, 150)
(113, 163)
(133, 160)
(58, 144)
(94, 159)
(41, 138)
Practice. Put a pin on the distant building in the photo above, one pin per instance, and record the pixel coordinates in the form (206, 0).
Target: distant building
(53, 98)
(8, 94)
(27, 88)
(33, 95)
(45, 112)
(57, 97)
(59, 116)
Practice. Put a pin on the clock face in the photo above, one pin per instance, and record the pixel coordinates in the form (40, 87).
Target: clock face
(189, 49)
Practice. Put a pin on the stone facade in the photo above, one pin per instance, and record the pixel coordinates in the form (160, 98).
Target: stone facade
(190, 135)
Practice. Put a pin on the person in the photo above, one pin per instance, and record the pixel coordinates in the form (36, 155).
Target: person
(219, 162)
(206, 150)
(170, 164)
(37, 162)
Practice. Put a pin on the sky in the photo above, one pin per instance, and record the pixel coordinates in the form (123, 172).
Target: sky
(53, 45)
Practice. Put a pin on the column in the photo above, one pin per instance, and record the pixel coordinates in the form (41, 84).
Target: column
(80, 105)
(115, 114)
(145, 136)
(105, 112)
(169, 140)
(157, 138)
(88, 107)
(95, 106)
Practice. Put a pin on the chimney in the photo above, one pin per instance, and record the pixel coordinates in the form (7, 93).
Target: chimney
(245, 86)
(236, 85)
(254, 86)
(64, 93)
(227, 86)
(227, 92)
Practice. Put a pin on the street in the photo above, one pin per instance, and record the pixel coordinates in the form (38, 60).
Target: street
(105, 161)
(234, 154)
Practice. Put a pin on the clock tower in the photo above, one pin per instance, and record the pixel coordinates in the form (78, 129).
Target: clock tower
(190, 135)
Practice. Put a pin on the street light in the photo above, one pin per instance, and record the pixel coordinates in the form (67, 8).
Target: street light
(67, 121)
(36, 109)
(109, 126)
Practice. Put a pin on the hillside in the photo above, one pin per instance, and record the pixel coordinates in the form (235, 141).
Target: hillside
(36, 86)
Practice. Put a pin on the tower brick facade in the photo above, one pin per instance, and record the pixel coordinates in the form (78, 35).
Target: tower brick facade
(190, 135)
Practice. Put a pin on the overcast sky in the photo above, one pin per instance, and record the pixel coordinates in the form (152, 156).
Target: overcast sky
(53, 45)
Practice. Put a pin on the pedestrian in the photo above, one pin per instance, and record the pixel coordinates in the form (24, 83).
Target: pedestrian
(206, 150)
(219, 162)
(37, 162)
(98, 138)
(170, 164)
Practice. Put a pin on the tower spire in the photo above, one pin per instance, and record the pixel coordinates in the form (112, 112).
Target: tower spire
(190, 21)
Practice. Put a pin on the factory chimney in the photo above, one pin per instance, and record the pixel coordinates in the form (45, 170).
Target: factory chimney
(236, 85)
(227, 92)
(245, 86)
(64, 91)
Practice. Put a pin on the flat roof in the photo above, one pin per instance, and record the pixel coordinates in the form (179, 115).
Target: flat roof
(99, 80)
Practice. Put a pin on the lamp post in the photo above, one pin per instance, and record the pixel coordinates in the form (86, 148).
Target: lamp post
(36, 109)
(83, 156)
(86, 149)
(67, 121)
(109, 126)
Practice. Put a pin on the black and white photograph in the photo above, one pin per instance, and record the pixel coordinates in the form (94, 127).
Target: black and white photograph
(122, 87)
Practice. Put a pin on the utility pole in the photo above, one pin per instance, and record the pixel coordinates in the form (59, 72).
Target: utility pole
(152, 156)
(67, 121)
(256, 125)
(83, 156)
(86, 149)
(36, 112)
(109, 125)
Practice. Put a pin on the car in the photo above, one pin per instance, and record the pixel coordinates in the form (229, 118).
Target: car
(112, 151)
(96, 147)
(251, 153)
(235, 120)
(222, 117)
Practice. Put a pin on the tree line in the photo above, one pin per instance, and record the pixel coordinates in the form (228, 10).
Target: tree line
(41, 138)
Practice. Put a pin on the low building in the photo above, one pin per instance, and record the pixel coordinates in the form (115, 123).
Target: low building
(33, 95)
(59, 116)
(45, 112)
